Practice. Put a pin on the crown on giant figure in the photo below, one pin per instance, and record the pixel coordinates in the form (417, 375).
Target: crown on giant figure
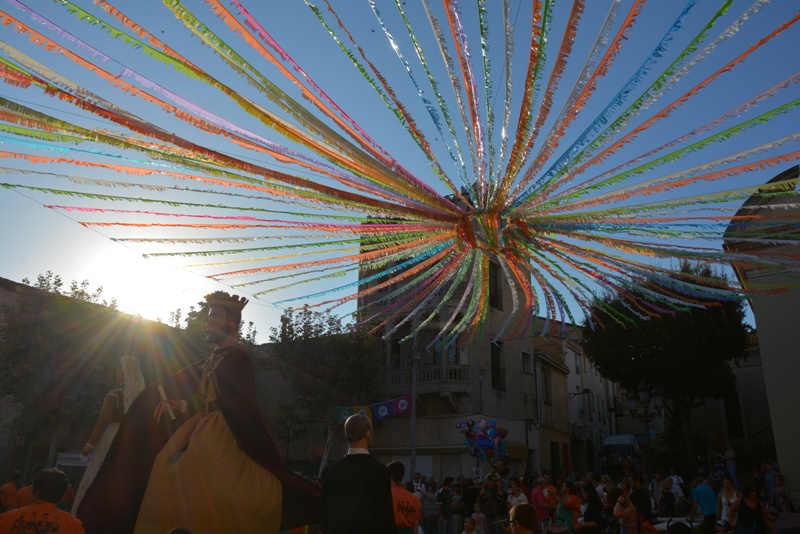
(226, 300)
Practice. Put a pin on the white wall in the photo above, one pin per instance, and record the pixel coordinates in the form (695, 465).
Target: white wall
(777, 323)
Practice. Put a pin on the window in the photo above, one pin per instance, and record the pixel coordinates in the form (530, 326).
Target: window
(527, 362)
(547, 387)
(437, 353)
(452, 353)
(495, 287)
(396, 355)
(555, 457)
(498, 373)
(441, 353)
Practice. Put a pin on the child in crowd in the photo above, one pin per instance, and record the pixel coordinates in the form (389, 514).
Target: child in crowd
(479, 519)
(769, 519)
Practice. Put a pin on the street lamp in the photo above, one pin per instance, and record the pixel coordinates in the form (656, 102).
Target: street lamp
(286, 427)
(645, 397)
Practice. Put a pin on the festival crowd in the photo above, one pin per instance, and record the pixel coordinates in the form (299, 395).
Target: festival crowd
(628, 504)
(569, 504)
(191, 454)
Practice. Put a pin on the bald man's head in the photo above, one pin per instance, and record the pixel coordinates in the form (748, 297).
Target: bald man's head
(358, 428)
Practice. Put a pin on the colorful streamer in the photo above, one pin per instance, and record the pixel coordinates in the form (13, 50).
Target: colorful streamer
(415, 161)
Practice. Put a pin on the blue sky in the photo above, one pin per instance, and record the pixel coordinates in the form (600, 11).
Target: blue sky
(37, 239)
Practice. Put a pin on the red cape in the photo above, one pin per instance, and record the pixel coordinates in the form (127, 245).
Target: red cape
(112, 502)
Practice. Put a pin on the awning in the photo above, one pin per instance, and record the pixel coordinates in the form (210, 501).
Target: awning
(70, 459)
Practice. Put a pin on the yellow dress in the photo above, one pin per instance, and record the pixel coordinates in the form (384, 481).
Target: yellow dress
(211, 487)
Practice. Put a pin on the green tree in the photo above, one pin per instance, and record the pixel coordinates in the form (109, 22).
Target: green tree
(56, 385)
(685, 352)
(329, 364)
(52, 283)
(175, 318)
(196, 320)
(58, 357)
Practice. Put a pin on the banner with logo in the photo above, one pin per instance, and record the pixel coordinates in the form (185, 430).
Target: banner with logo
(378, 411)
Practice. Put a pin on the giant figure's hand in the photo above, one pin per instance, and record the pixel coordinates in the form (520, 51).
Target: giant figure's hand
(171, 406)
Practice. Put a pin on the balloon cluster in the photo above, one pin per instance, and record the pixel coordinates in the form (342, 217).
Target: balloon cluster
(485, 438)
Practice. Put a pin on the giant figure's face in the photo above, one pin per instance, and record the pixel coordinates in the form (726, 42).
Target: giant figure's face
(217, 325)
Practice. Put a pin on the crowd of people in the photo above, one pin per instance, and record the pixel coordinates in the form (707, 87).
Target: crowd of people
(191, 454)
(362, 495)
(573, 502)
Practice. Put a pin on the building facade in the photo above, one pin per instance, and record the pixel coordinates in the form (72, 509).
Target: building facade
(590, 399)
(521, 384)
(775, 313)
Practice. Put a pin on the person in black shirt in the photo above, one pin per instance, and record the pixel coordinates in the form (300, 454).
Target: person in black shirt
(640, 498)
(592, 516)
(356, 490)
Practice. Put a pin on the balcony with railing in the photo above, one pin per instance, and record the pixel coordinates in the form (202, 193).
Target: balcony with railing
(436, 378)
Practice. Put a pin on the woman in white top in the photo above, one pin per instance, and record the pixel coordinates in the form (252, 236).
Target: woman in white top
(727, 498)
(516, 496)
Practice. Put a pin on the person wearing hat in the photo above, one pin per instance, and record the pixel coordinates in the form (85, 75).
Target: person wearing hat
(218, 470)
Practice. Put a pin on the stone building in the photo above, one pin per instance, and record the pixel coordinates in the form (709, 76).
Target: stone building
(519, 384)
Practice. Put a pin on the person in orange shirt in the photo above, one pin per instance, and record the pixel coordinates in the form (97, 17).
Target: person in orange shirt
(42, 514)
(8, 492)
(569, 508)
(23, 497)
(406, 504)
(551, 494)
